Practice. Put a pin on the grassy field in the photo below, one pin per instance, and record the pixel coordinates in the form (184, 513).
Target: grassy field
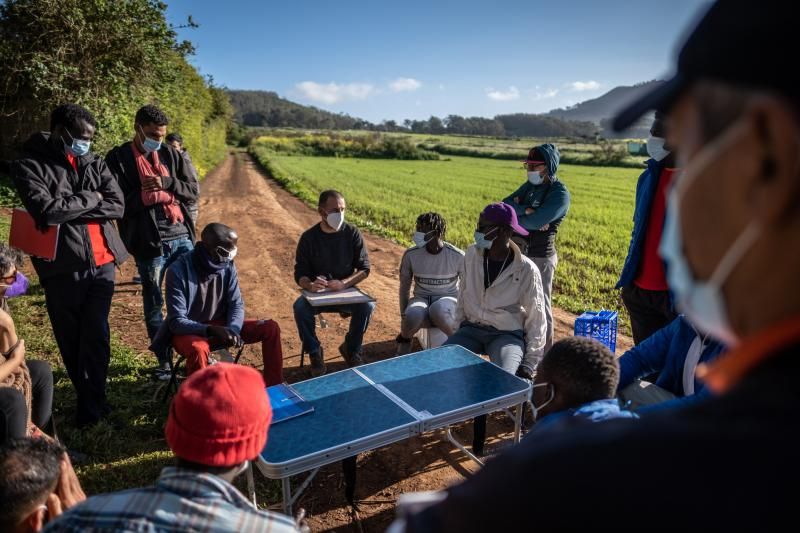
(572, 150)
(386, 196)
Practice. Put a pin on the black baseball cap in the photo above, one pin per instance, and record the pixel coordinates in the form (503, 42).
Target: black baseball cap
(749, 44)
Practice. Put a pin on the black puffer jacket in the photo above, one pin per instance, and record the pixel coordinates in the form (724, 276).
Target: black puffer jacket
(139, 228)
(54, 193)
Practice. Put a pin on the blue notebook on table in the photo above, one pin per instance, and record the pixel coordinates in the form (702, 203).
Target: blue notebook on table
(286, 403)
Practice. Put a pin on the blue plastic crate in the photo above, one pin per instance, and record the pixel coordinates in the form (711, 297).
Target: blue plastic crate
(599, 325)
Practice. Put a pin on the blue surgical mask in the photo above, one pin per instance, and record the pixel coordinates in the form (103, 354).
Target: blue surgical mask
(149, 145)
(78, 147)
(481, 242)
(655, 148)
(535, 177)
(703, 301)
(419, 239)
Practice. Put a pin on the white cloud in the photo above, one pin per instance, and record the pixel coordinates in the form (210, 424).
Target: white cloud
(590, 85)
(503, 96)
(543, 95)
(441, 86)
(330, 93)
(405, 84)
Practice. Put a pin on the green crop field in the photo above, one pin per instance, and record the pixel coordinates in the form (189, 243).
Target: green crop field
(385, 196)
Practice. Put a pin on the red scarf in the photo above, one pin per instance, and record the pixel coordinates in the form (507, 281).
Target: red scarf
(172, 209)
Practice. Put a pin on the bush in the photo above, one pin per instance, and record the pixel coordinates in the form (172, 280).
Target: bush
(112, 58)
(372, 146)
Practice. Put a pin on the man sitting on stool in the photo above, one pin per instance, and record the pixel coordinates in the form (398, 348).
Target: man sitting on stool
(205, 309)
(331, 256)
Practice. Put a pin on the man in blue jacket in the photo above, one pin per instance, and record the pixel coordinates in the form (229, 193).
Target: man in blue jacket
(541, 204)
(673, 352)
(643, 280)
(205, 309)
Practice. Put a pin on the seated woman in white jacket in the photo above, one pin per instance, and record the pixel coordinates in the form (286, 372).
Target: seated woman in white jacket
(500, 301)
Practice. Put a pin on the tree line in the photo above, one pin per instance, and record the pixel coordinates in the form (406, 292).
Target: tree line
(112, 58)
(268, 110)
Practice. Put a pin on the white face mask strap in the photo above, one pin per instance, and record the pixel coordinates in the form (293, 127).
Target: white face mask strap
(708, 155)
(734, 254)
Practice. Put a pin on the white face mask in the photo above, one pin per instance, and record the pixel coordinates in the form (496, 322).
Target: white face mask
(419, 239)
(535, 178)
(655, 148)
(536, 408)
(335, 220)
(226, 256)
(703, 301)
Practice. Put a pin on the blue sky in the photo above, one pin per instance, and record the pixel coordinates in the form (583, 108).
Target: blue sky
(412, 59)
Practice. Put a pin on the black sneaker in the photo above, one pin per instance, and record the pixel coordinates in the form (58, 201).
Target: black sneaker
(352, 359)
(163, 372)
(403, 345)
(317, 363)
(525, 373)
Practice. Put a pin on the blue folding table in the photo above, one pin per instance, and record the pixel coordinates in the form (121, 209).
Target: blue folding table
(363, 408)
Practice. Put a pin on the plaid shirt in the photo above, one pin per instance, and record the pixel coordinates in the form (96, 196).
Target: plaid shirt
(181, 500)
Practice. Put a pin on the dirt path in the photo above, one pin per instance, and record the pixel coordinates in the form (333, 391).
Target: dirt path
(269, 222)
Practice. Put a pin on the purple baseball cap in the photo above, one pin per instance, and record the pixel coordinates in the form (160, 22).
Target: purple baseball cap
(501, 213)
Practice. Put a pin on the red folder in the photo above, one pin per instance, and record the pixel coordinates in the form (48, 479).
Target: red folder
(25, 236)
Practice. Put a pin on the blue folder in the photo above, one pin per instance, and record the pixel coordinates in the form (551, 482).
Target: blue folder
(286, 403)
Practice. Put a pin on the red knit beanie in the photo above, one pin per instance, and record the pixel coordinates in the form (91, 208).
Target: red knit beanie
(220, 416)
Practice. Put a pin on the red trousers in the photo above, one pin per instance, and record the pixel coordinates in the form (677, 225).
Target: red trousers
(196, 349)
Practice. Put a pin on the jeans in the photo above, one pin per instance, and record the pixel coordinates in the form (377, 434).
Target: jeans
(504, 348)
(436, 311)
(78, 304)
(547, 268)
(152, 271)
(304, 315)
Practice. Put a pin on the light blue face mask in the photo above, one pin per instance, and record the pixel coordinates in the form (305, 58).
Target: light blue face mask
(419, 239)
(78, 147)
(149, 145)
(702, 301)
(481, 242)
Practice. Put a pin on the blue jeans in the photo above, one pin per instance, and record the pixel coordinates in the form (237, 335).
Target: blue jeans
(304, 315)
(152, 271)
(504, 348)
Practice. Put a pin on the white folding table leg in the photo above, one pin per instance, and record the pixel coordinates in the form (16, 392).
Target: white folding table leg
(461, 447)
(251, 484)
(518, 422)
(287, 495)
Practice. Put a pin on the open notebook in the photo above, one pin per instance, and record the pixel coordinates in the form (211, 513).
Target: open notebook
(286, 403)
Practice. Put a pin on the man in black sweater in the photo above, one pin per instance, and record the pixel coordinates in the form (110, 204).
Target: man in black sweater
(331, 256)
